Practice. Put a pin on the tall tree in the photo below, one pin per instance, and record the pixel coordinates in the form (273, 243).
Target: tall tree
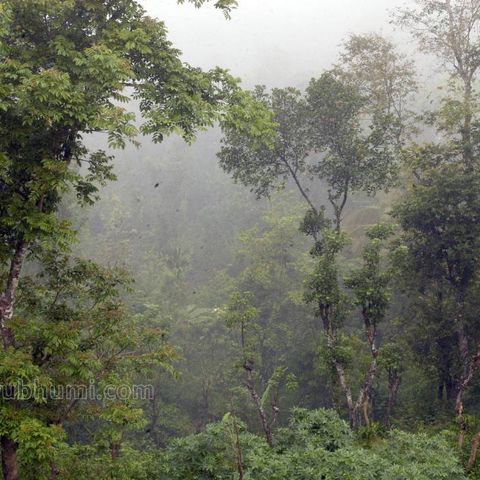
(446, 171)
(66, 68)
(346, 132)
(369, 290)
(440, 219)
(448, 29)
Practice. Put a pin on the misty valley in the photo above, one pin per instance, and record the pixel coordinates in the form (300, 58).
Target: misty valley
(239, 240)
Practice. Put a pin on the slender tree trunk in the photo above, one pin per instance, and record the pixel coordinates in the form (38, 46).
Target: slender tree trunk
(354, 408)
(366, 416)
(365, 392)
(8, 296)
(7, 303)
(467, 124)
(54, 472)
(250, 384)
(342, 378)
(470, 365)
(364, 395)
(258, 403)
(460, 417)
(341, 375)
(462, 384)
(9, 459)
(238, 451)
(394, 381)
(361, 405)
(474, 452)
(466, 71)
(338, 202)
(115, 449)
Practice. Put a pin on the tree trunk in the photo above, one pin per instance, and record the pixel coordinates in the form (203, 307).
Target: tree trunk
(361, 405)
(363, 397)
(472, 366)
(467, 124)
(473, 454)
(115, 448)
(342, 378)
(365, 392)
(469, 367)
(7, 298)
(341, 375)
(460, 418)
(238, 451)
(258, 403)
(54, 472)
(9, 459)
(366, 416)
(394, 381)
(7, 302)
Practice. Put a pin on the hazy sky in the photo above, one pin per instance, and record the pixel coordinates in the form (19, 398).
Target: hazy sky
(275, 42)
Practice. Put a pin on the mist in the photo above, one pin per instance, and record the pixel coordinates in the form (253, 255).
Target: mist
(276, 43)
(239, 239)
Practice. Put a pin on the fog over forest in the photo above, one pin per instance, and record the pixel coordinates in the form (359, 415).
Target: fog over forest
(276, 43)
(239, 239)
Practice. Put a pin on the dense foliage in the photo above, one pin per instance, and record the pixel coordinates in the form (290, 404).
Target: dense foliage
(180, 327)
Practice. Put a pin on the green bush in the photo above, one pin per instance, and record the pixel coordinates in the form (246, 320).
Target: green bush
(317, 445)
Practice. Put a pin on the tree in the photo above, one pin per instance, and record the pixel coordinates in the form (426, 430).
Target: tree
(393, 363)
(66, 69)
(241, 315)
(77, 349)
(440, 220)
(327, 122)
(446, 173)
(385, 77)
(370, 287)
(449, 30)
(346, 132)
(350, 159)
(267, 314)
